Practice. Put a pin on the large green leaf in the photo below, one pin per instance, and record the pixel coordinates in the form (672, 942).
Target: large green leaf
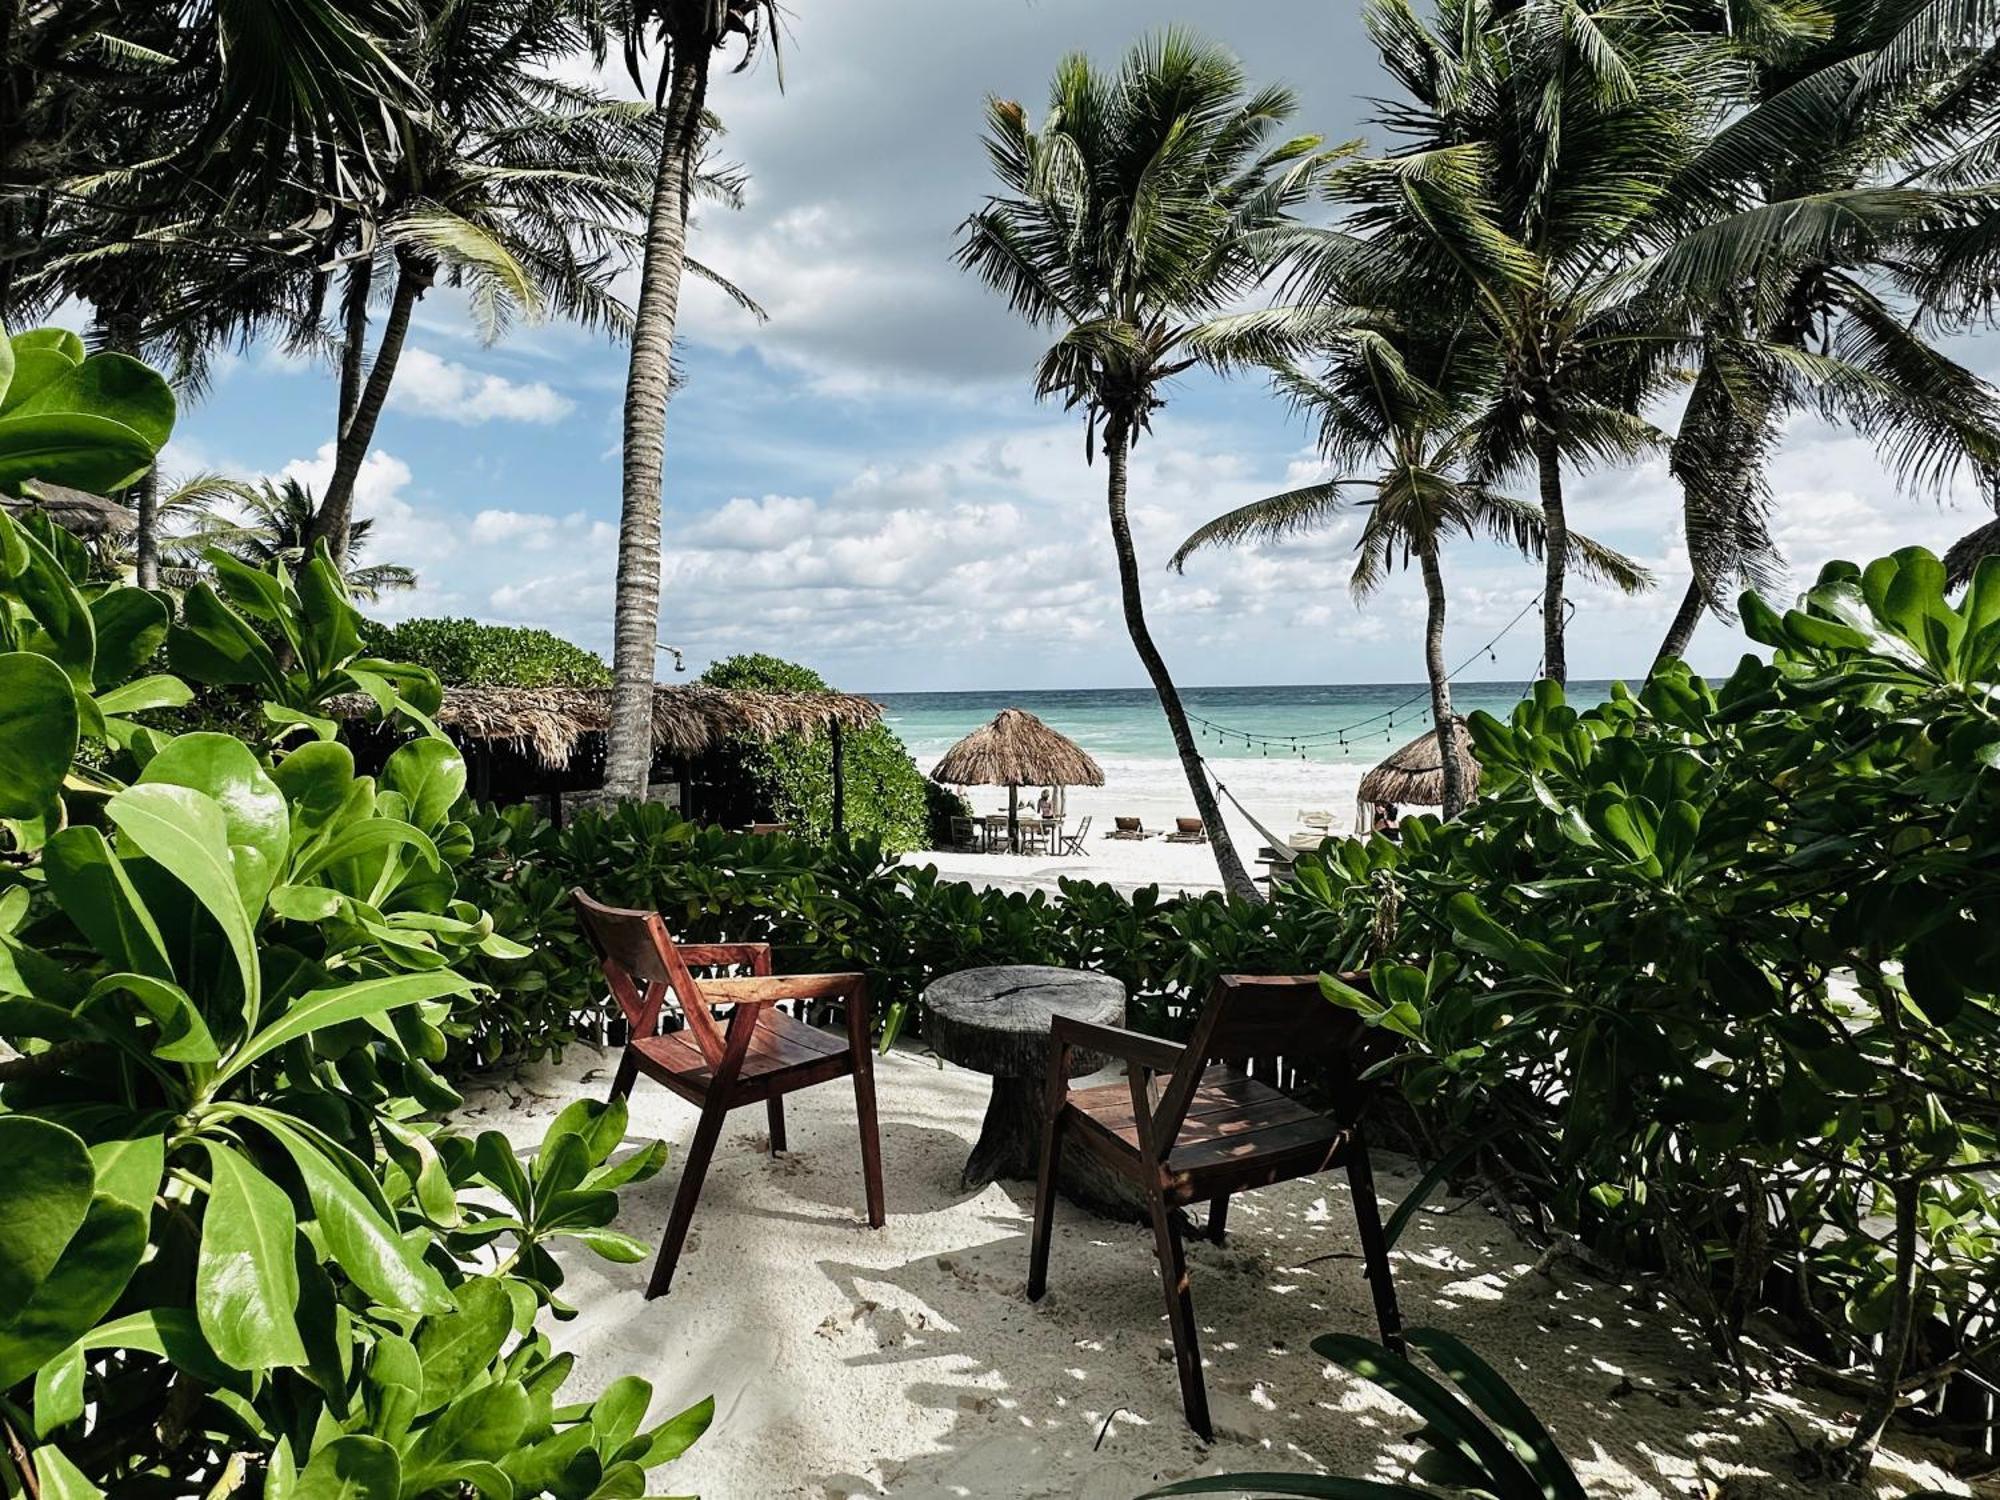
(77, 449)
(430, 775)
(215, 645)
(246, 1281)
(258, 822)
(366, 1246)
(6, 365)
(131, 625)
(160, 690)
(64, 341)
(36, 364)
(44, 1194)
(676, 1435)
(183, 1034)
(173, 1333)
(59, 1479)
(187, 834)
(38, 732)
(351, 1468)
(316, 779)
(96, 893)
(457, 1346)
(114, 386)
(346, 1002)
(95, 1267)
(1505, 1409)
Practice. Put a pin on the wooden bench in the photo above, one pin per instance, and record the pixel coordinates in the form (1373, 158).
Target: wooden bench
(759, 1054)
(1186, 1126)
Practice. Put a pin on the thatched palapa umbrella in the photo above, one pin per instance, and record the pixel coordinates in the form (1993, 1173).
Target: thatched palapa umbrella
(1415, 773)
(1016, 750)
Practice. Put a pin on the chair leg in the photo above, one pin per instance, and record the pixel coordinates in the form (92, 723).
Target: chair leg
(871, 1140)
(1218, 1217)
(1180, 1314)
(774, 1109)
(627, 1075)
(1045, 1208)
(693, 1169)
(1374, 1245)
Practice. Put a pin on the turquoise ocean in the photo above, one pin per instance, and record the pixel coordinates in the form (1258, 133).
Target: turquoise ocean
(1279, 751)
(1329, 723)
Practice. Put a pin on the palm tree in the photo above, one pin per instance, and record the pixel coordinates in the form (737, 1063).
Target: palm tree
(1810, 332)
(1567, 184)
(271, 523)
(688, 33)
(517, 185)
(1125, 224)
(1416, 420)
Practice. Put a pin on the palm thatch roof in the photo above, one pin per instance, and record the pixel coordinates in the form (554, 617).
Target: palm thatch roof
(1415, 773)
(76, 511)
(550, 722)
(1017, 749)
(1964, 554)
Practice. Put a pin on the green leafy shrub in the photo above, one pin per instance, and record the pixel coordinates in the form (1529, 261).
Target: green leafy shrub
(237, 1253)
(1712, 973)
(885, 796)
(467, 653)
(844, 904)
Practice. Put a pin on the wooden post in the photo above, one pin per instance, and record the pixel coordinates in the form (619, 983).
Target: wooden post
(1013, 818)
(839, 779)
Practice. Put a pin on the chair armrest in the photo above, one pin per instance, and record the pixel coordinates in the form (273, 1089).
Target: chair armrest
(768, 990)
(727, 953)
(1116, 1041)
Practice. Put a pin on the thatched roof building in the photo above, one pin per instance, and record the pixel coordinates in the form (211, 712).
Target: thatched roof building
(76, 511)
(550, 723)
(1415, 773)
(1017, 749)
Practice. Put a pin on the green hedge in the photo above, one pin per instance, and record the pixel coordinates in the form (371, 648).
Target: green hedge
(467, 653)
(886, 797)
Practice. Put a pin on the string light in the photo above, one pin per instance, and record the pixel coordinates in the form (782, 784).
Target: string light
(1338, 735)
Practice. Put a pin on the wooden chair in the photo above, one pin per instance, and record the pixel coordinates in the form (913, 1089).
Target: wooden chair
(1184, 1130)
(1072, 843)
(757, 1053)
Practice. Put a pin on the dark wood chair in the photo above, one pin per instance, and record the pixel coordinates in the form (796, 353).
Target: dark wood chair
(1187, 1125)
(755, 1053)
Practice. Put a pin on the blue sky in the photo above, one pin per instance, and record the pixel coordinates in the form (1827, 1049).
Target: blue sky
(865, 483)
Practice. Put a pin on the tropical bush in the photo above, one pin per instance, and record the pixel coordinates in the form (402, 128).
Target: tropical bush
(845, 903)
(237, 1252)
(885, 796)
(466, 653)
(1707, 978)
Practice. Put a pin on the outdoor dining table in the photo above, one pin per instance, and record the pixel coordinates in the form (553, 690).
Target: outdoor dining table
(996, 1020)
(1031, 827)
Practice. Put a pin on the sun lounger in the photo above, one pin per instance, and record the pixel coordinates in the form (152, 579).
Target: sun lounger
(1188, 831)
(1127, 828)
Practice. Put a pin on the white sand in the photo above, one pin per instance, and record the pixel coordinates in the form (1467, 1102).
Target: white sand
(906, 1361)
(1156, 792)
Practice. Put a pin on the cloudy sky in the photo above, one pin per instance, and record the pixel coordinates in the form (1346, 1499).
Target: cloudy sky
(865, 482)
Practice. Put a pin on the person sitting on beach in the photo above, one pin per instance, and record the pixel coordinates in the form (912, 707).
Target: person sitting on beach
(1045, 805)
(1385, 820)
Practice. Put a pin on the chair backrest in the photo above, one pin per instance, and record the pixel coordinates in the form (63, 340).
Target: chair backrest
(1248, 1016)
(642, 965)
(1082, 833)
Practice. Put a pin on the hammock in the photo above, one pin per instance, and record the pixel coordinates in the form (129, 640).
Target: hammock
(1280, 846)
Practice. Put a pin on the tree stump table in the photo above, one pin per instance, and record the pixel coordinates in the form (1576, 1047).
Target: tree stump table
(997, 1021)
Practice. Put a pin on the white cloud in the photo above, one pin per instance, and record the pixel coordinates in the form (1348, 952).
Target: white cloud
(437, 387)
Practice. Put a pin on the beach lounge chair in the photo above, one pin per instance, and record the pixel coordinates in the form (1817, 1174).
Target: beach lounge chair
(1072, 843)
(1188, 831)
(1127, 828)
(756, 1053)
(1212, 1130)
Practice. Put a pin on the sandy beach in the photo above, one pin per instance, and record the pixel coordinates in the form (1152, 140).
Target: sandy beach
(907, 1361)
(1156, 792)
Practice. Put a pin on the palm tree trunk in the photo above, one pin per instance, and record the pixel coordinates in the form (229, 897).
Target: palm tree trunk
(636, 623)
(414, 275)
(1681, 632)
(1235, 878)
(146, 536)
(354, 350)
(1434, 664)
(1555, 559)
(120, 323)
